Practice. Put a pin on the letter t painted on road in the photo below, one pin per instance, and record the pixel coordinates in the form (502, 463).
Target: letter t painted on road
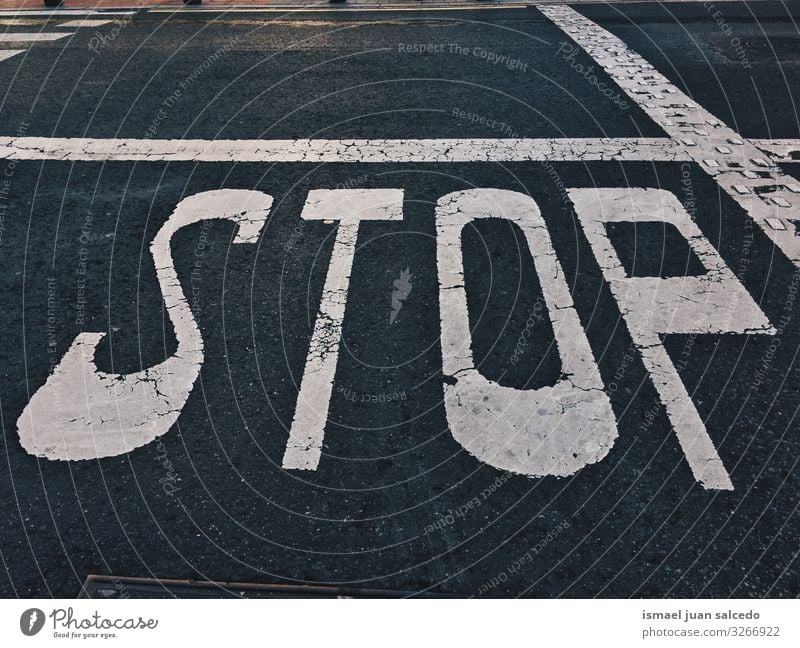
(349, 207)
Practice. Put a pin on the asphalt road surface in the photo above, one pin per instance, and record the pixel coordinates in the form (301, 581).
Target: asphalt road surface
(487, 302)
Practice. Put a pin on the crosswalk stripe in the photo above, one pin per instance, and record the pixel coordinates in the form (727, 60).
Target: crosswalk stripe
(719, 150)
(87, 22)
(7, 54)
(60, 13)
(28, 37)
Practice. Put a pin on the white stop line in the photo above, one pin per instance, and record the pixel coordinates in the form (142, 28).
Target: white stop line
(82, 413)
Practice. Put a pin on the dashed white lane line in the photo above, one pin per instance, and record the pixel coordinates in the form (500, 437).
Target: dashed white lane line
(84, 413)
(87, 22)
(349, 207)
(719, 150)
(32, 37)
(7, 54)
(345, 150)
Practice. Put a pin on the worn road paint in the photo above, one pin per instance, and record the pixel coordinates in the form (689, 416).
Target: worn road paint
(84, 413)
(703, 136)
(349, 207)
(547, 431)
(781, 150)
(300, 9)
(60, 13)
(7, 54)
(86, 22)
(714, 302)
(575, 149)
(25, 37)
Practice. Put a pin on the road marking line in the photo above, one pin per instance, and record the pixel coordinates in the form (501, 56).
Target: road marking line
(781, 150)
(714, 302)
(61, 13)
(87, 22)
(7, 54)
(429, 150)
(344, 150)
(349, 207)
(553, 430)
(292, 9)
(32, 37)
(678, 114)
(84, 413)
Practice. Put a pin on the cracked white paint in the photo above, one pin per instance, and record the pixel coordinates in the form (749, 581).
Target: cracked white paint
(547, 431)
(719, 150)
(317, 150)
(714, 302)
(84, 413)
(349, 207)
(780, 150)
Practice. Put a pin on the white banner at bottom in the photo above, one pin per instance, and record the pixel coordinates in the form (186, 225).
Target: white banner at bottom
(390, 623)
